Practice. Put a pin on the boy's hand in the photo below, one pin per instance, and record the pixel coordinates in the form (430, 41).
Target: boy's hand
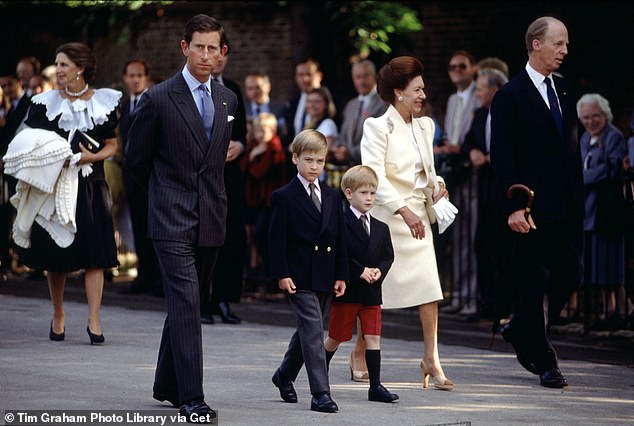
(376, 274)
(367, 275)
(340, 288)
(287, 285)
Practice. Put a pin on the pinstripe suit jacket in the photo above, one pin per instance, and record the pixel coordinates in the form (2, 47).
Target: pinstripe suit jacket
(526, 148)
(170, 155)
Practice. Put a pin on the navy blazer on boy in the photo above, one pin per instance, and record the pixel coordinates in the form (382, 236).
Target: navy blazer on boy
(366, 251)
(305, 245)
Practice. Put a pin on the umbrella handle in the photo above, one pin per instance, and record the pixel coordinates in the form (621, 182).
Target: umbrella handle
(529, 193)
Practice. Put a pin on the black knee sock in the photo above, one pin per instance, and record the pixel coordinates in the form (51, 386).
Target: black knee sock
(329, 356)
(373, 359)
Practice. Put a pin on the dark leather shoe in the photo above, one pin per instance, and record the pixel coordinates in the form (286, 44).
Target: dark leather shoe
(172, 399)
(207, 319)
(553, 379)
(227, 315)
(287, 391)
(323, 403)
(380, 394)
(197, 412)
(509, 335)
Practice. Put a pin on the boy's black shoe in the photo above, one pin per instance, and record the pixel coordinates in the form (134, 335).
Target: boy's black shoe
(287, 391)
(380, 394)
(323, 403)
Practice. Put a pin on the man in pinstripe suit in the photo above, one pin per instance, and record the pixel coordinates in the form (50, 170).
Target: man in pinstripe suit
(534, 143)
(177, 148)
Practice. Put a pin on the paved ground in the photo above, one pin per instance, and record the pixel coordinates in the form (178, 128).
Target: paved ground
(492, 389)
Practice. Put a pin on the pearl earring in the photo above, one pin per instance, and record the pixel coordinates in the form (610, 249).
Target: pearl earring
(400, 98)
(77, 76)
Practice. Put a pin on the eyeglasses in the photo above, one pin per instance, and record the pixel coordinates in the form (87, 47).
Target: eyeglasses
(454, 67)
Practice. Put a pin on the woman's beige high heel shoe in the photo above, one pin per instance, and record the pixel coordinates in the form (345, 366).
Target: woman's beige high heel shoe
(358, 375)
(440, 381)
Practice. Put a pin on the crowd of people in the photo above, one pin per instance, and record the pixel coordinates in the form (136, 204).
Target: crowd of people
(324, 200)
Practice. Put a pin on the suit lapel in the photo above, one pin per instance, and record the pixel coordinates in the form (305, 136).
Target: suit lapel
(356, 227)
(533, 96)
(304, 200)
(375, 235)
(564, 103)
(328, 203)
(184, 102)
(220, 114)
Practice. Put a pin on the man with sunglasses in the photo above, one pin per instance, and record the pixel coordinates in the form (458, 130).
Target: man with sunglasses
(461, 177)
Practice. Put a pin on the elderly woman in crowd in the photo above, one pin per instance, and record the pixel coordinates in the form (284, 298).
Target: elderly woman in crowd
(602, 153)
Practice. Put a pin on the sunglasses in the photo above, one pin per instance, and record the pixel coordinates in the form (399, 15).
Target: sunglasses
(454, 67)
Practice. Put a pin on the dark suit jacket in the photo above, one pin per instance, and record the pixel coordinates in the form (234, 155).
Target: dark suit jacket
(475, 137)
(304, 245)
(526, 148)
(15, 117)
(182, 170)
(374, 251)
(124, 123)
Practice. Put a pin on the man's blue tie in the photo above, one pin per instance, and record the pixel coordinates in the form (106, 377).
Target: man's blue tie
(554, 107)
(207, 110)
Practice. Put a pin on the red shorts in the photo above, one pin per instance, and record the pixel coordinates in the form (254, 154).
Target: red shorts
(343, 317)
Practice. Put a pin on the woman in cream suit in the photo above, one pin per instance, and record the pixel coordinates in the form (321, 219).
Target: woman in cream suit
(399, 148)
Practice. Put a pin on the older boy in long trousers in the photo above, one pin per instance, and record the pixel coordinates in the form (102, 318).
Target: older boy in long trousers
(309, 262)
(370, 256)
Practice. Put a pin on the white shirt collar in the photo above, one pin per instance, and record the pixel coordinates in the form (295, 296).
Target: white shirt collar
(192, 82)
(466, 93)
(536, 77)
(358, 214)
(364, 98)
(305, 183)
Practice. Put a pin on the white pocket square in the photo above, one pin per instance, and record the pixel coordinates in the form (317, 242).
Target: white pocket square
(230, 118)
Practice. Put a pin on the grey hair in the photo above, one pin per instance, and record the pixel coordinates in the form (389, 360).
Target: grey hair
(495, 78)
(595, 98)
(365, 63)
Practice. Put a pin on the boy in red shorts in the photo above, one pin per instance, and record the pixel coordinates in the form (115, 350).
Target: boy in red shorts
(370, 256)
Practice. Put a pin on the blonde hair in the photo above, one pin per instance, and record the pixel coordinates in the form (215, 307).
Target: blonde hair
(266, 119)
(358, 177)
(309, 140)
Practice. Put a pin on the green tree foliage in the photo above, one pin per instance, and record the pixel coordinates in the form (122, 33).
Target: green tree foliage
(369, 24)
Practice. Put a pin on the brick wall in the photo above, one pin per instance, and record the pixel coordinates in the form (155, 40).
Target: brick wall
(273, 36)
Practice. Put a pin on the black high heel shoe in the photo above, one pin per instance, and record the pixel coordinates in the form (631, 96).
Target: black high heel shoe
(55, 336)
(95, 338)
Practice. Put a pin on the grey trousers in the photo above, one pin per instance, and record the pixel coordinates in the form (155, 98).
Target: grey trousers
(307, 343)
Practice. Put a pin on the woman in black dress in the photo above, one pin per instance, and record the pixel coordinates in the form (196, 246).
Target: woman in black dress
(74, 111)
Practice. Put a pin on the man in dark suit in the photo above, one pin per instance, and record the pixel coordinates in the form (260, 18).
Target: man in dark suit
(177, 146)
(490, 226)
(258, 90)
(306, 233)
(20, 95)
(534, 143)
(135, 77)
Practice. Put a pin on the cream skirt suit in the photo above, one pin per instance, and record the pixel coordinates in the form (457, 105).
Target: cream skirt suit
(388, 148)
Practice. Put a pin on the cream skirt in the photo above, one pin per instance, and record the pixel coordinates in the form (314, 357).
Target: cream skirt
(413, 279)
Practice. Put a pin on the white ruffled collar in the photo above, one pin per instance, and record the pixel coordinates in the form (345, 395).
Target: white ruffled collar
(81, 114)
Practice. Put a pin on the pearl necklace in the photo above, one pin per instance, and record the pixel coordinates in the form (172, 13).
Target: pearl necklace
(76, 94)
